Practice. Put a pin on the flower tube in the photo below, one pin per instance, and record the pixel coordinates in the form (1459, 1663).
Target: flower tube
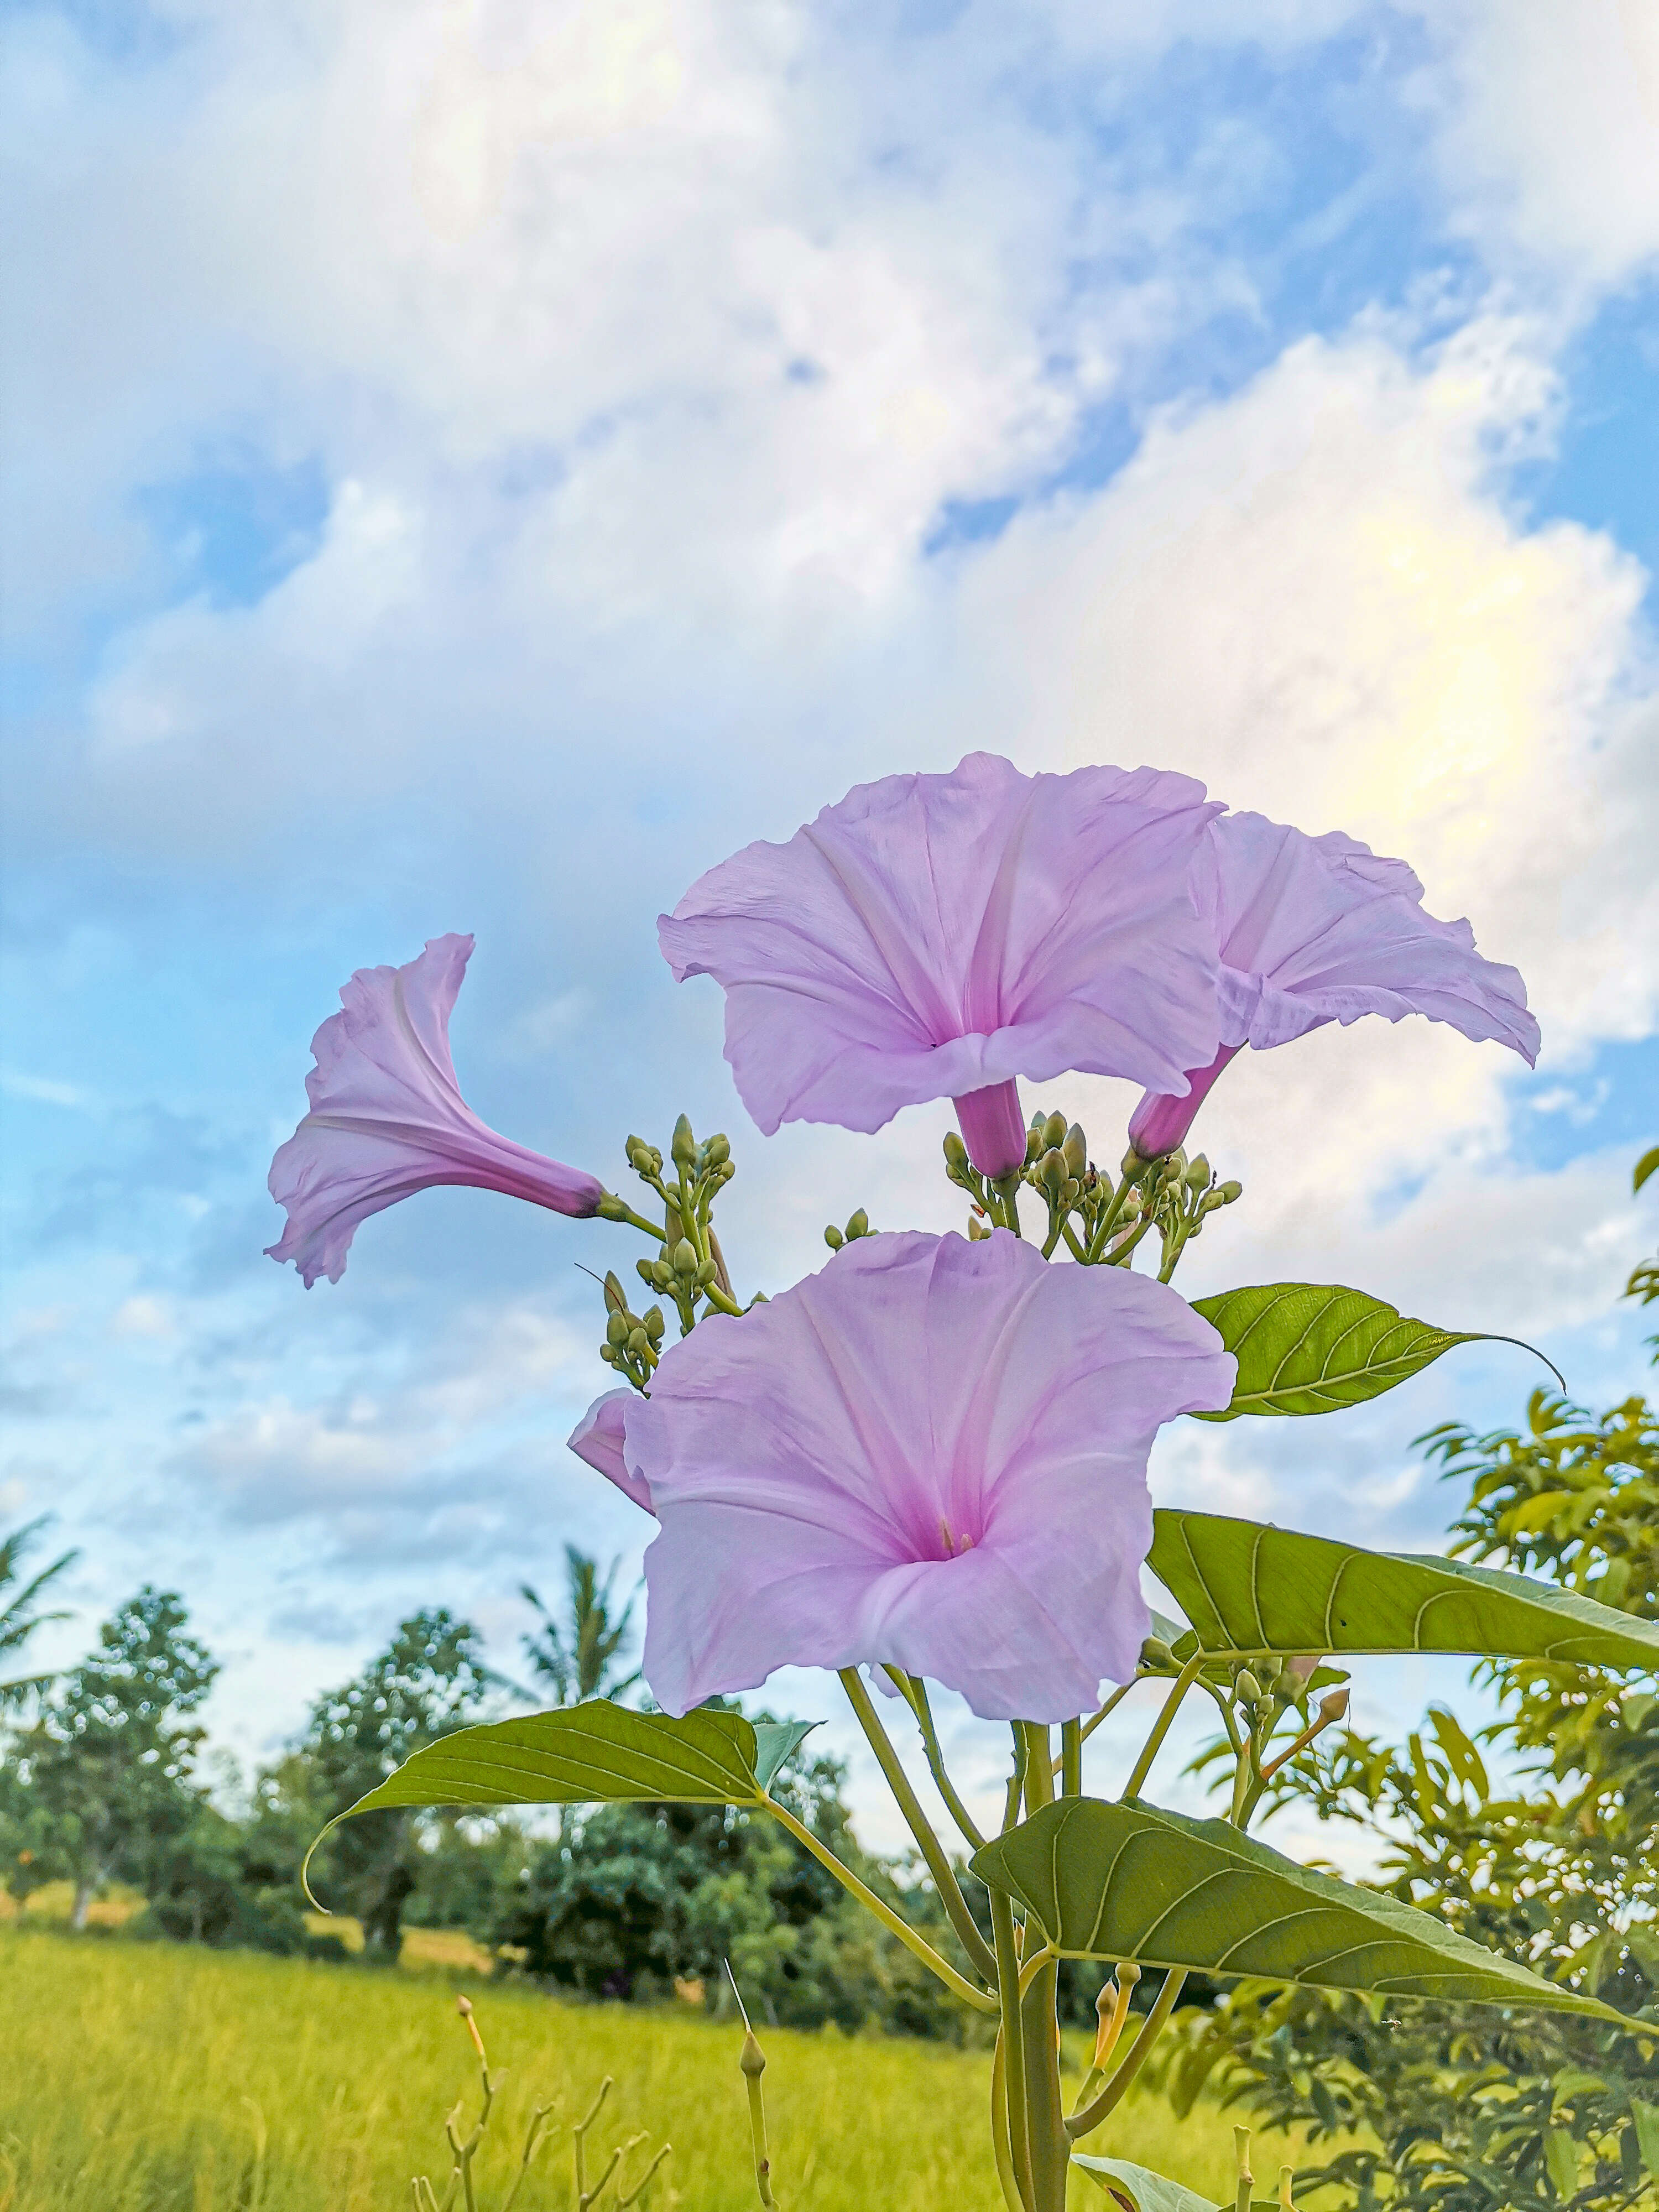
(940, 936)
(387, 1118)
(930, 1454)
(1311, 930)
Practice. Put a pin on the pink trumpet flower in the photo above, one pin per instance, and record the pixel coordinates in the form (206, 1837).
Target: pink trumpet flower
(939, 936)
(931, 1455)
(387, 1118)
(1312, 930)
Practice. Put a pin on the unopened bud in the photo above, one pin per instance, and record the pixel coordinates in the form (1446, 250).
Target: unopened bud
(977, 1230)
(608, 1354)
(706, 1274)
(752, 2058)
(717, 1152)
(1052, 1169)
(1333, 1705)
(956, 1152)
(833, 1238)
(1227, 1192)
(1197, 1176)
(857, 1225)
(661, 1274)
(638, 1342)
(647, 1272)
(464, 2006)
(1035, 1143)
(654, 1324)
(1154, 1652)
(615, 1329)
(614, 1295)
(1076, 1149)
(685, 1257)
(1053, 1133)
(684, 1147)
(1248, 1690)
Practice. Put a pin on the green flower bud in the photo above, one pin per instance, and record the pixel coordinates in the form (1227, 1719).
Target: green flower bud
(1076, 1149)
(1052, 1170)
(1071, 1191)
(717, 1152)
(647, 1270)
(1053, 1133)
(859, 1225)
(1154, 1652)
(706, 1274)
(685, 1257)
(654, 1324)
(615, 1329)
(609, 1353)
(1197, 1176)
(833, 1238)
(1229, 1191)
(1247, 1688)
(614, 1297)
(661, 1274)
(684, 1147)
(978, 1230)
(638, 1343)
(956, 1152)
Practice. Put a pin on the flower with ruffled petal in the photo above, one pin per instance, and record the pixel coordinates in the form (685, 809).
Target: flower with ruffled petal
(387, 1118)
(1312, 930)
(939, 936)
(930, 1455)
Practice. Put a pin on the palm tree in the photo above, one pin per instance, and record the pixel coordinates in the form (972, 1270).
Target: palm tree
(20, 1608)
(578, 1659)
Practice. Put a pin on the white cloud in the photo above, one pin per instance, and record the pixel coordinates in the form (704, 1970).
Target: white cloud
(1547, 121)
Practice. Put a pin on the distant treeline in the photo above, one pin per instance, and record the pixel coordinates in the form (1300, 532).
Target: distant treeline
(102, 1780)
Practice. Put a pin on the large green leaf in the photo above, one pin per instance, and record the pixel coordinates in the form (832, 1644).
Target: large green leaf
(594, 1753)
(1313, 1347)
(1128, 1881)
(1248, 1589)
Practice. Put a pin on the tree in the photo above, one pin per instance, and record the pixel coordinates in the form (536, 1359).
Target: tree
(1470, 2108)
(111, 1761)
(429, 1681)
(581, 1659)
(19, 1609)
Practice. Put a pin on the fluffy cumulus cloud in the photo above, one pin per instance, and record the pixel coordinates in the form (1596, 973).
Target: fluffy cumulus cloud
(496, 459)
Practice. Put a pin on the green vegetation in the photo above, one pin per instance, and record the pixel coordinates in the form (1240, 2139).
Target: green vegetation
(156, 2077)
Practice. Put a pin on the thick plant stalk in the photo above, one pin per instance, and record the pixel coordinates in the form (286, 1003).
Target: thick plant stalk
(1048, 2145)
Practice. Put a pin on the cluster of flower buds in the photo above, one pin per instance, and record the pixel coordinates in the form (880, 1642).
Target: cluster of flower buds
(689, 1268)
(633, 1342)
(1175, 1195)
(857, 1225)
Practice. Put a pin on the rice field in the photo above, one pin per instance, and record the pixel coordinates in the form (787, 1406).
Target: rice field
(140, 2077)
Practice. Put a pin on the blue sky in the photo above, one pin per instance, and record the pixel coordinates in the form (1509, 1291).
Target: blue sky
(471, 466)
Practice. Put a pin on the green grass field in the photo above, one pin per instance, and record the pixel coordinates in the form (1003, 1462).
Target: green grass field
(139, 2077)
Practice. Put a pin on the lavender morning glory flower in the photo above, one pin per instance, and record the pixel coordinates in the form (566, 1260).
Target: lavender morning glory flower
(1312, 930)
(931, 1454)
(939, 936)
(387, 1118)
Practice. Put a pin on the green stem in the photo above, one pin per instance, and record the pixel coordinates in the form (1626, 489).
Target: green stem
(1013, 2041)
(916, 1945)
(618, 1209)
(1085, 2122)
(1000, 2147)
(915, 1692)
(1161, 1726)
(945, 1880)
(1071, 1759)
(1045, 2110)
(1108, 1220)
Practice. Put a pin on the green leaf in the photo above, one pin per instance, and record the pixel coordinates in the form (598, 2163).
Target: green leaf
(1561, 2160)
(1315, 1347)
(1138, 2189)
(776, 1743)
(1646, 1166)
(1250, 1590)
(1646, 2118)
(592, 1753)
(1129, 1881)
